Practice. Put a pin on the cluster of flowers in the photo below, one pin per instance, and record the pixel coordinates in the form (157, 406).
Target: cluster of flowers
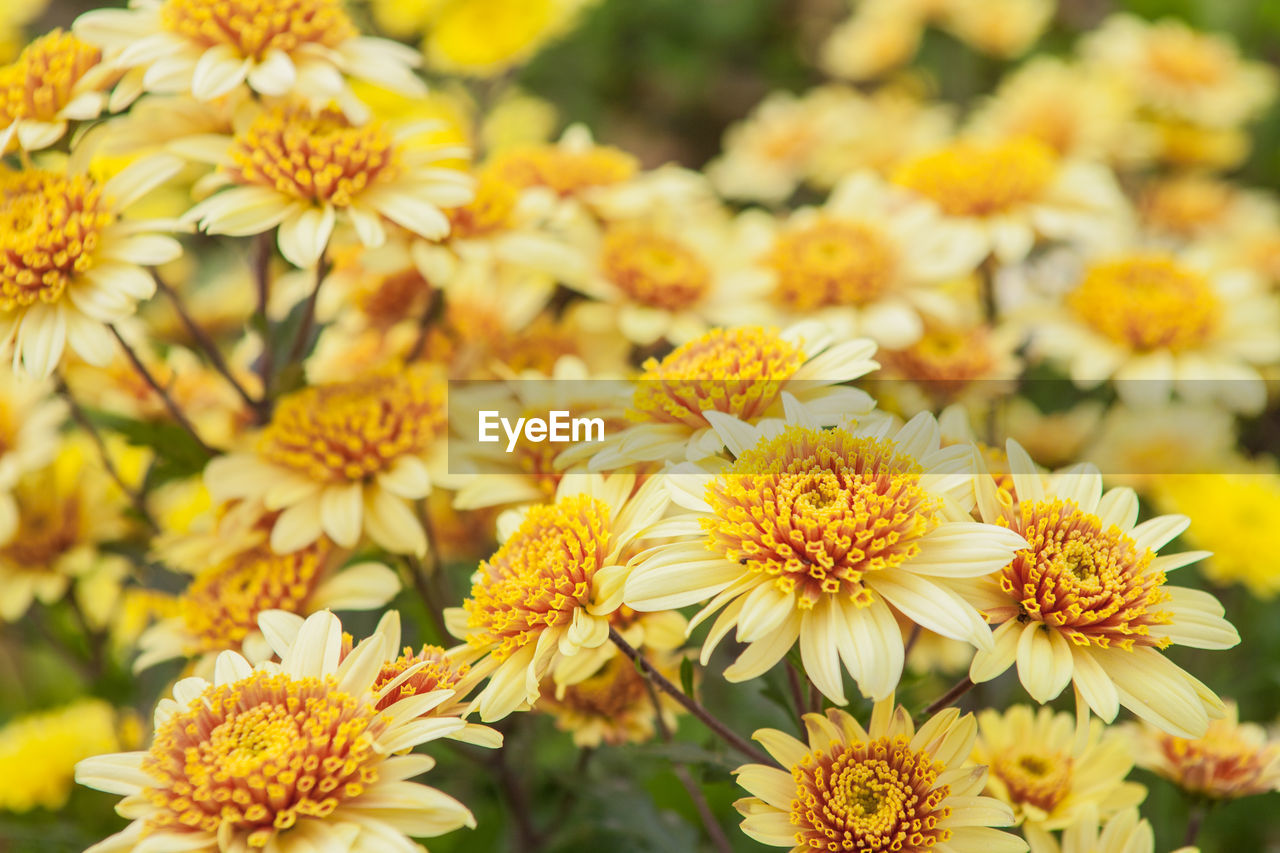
(243, 251)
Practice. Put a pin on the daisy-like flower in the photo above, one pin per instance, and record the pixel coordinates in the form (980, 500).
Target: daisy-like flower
(274, 46)
(573, 167)
(29, 420)
(889, 786)
(343, 458)
(1015, 191)
(814, 535)
(1126, 832)
(1039, 767)
(742, 372)
(72, 264)
(219, 609)
(766, 155)
(291, 756)
(1232, 760)
(949, 362)
(1156, 323)
(870, 261)
(305, 170)
(547, 593)
(1086, 602)
(1003, 28)
(613, 705)
(38, 752)
(57, 79)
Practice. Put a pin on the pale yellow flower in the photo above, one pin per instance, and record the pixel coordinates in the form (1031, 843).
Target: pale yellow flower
(1232, 760)
(1126, 832)
(890, 786)
(880, 36)
(486, 37)
(29, 420)
(38, 752)
(1003, 28)
(613, 705)
(57, 79)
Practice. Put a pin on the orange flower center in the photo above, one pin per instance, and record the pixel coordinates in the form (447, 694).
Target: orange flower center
(564, 171)
(314, 157)
(350, 431)
(738, 371)
(254, 28)
(653, 269)
(490, 211)
(831, 262)
(41, 82)
(1148, 302)
(539, 576)
(260, 754)
(818, 509)
(1035, 779)
(945, 359)
(1092, 584)
(49, 526)
(876, 795)
(968, 179)
(50, 228)
(439, 673)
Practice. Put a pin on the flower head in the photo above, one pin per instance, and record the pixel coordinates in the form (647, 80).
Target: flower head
(890, 786)
(613, 705)
(38, 752)
(58, 78)
(1232, 760)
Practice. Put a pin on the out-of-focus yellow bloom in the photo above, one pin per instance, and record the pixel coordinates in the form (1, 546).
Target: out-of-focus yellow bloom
(486, 37)
(1232, 760)
(57, 79)
(13, 17)
(613, 706)
(38, 752)
(1003, 28)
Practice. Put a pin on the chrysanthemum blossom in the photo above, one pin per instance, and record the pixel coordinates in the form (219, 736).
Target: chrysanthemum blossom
(1015, 191)
(57, 79)
(71, 263)
(38, 752)
(817, 536)
(287, 756)
(1049, 775)
(29, 420)
(1126, 832)
(1232, 760)
(307, 170)
(1086, 602)
(344, 458)
(889, 786)
(614, 705)
(219, 609)
(273, 46)
(547, 593)
(742, 372)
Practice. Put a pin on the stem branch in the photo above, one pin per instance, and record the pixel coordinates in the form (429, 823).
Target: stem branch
(160, 391)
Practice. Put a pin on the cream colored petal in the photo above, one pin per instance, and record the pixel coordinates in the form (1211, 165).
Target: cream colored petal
(391, 523)
(364, 586)
(988, 664)
(342, 513)
(315, 652)
(217, 72)
(274, 75)
(297, 527)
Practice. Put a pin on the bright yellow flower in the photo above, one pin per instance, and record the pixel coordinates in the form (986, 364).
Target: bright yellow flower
(58, 78)
(486, 37)
(38, 752)
(889, 786)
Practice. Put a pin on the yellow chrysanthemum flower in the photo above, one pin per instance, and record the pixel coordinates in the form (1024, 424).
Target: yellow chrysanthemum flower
(1086, 601)
(1232, 760)
(546, 594)
(285, 756)
(344, 458)
(275, 47)
(303, 170)
(57, 79)
(38, 752)
(486, 37)
(29, 420)
(1050, 777)
(813, 535)
(889, 786)
(613, 705)
(71, 263)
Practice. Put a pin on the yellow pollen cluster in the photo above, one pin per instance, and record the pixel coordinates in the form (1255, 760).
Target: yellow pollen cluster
(490, 211)
(654, 269)
(40, 83)
(259, 754)
(563, 171)
(818, 509)
(50, 228)
(1093, 585)
(439, 673)
(49, 525)
(878, 795)
(968, 179)
(253, 28)
(350, 431)
(312, 156)
(539, 576)
(831, 262)
(1148, 302)
(1038, 779)
(738, 371)
(222, 604)
(945, 359)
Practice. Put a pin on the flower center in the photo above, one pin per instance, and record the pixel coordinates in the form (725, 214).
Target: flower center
(1185, 59)
(314, 157)
(539, 576)
(388, 299)
(490, 211)
(1148, 302)
(738, 371)
(221, 606)
(876, 795)
(259, 754)
(968, 179)
(1092, 584)
(1035, 779)
(831, 262)
(40, 83)
(253, 28)
(49, 525)
(653, 269)
(349, 431)
(817, 510)
(614, 692)
(50, 227)
(564, 171)
(945, 358)
(439, 673)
